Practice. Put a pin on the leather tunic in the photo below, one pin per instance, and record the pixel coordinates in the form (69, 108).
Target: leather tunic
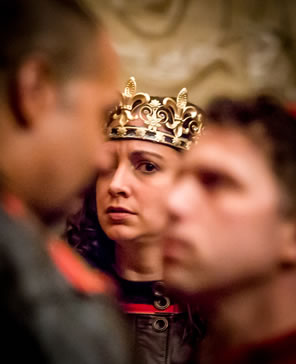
(163, 331)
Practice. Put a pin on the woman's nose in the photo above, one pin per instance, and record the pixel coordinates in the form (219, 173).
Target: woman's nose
(120, 183)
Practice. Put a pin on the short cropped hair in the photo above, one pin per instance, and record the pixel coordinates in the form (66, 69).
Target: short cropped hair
(265, 120)
(58, 30)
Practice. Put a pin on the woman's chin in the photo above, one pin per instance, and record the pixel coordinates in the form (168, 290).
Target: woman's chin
(121, 233)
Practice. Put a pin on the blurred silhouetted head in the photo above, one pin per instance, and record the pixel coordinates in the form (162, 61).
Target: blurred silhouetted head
(58, 30)
(58, 80)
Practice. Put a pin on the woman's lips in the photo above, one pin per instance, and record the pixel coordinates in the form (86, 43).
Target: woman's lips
(118, 214)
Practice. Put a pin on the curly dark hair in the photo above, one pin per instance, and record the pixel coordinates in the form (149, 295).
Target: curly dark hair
(85, 234)
(272, 126)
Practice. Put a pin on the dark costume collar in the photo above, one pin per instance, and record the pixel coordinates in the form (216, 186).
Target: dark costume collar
(147, 297)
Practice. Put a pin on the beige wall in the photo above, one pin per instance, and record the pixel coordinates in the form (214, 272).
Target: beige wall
(211, 47)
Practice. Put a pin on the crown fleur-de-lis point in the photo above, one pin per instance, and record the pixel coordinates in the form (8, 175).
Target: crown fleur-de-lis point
(130, 88)
(182, 98)
(181, 102)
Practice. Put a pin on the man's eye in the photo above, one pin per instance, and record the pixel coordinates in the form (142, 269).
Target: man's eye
(147, 167)
(212, 180)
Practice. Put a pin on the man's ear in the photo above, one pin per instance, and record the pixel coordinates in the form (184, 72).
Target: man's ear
(31, 91)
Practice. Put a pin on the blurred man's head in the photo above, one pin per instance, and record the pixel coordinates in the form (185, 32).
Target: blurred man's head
(58, 79)
(232, 210)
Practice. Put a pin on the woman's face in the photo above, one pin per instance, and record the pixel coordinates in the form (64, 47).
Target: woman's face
(130, 194)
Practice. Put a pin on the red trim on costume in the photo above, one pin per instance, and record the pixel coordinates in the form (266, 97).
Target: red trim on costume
(144, 308)
(74, 269)
(13, 205)
(77, 272)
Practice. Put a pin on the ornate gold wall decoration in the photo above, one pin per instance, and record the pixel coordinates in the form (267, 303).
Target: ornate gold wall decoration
(211, 47)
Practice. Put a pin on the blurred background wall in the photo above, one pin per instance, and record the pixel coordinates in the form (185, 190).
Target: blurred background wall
(212, 47)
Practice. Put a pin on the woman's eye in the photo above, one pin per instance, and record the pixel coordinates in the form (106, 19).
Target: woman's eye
(147, 167)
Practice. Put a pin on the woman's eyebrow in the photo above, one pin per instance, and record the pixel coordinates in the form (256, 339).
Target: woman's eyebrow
(140, 153)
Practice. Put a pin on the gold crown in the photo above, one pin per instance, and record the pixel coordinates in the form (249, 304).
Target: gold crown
(162, 120)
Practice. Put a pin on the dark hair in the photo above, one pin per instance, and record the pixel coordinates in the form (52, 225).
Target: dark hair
(85, 234)
(270, 124)
(56, 29)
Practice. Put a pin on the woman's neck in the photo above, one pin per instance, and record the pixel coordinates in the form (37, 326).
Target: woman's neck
(139, 260)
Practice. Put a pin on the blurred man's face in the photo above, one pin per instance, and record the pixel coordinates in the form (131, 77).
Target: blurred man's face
(225, 227)
(72, 133)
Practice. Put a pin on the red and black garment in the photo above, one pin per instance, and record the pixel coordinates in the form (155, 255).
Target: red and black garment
(163, 330)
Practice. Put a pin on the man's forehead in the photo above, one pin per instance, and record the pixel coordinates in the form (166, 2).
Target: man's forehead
(223, 139)
(108, 65)
(101, 63)
(222, 148)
